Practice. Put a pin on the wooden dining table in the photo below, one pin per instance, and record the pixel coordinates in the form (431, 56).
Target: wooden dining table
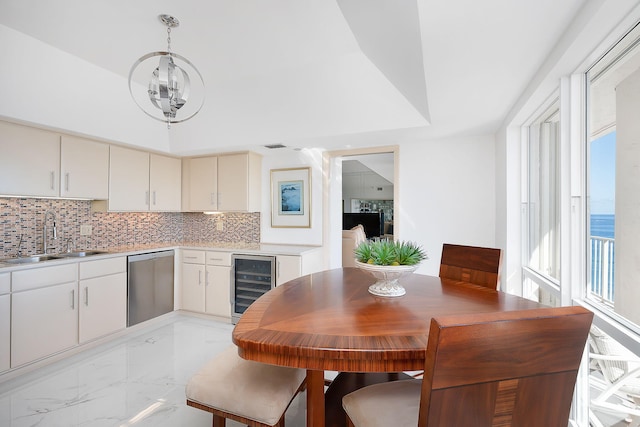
(328, 321)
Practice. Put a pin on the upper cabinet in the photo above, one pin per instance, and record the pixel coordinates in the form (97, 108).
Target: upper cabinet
(29, 161)
(140, 181)
(200, 185)
(39, 163)
(165, 183)
(84, 167)
(230, 182)
(128, 180)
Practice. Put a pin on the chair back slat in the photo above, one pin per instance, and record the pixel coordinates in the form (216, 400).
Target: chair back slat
(503, 369)
(472, 264)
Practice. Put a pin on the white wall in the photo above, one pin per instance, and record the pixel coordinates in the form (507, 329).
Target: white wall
(287, 158)
(447, 194)
(45, 86)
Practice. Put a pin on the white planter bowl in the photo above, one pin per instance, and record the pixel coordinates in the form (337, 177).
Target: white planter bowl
(388, 278)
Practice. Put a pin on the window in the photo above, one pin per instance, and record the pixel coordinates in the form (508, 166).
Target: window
(613, 176)
(542, 247)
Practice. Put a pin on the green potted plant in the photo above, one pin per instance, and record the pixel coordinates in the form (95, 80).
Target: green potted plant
(388, 261)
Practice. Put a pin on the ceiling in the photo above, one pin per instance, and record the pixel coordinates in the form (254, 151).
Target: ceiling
(307, 73)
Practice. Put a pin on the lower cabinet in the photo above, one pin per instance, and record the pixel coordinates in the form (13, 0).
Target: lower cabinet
(44, 321)
(103, 298)
(218, 291)
(5, 321)
(206, 281)
(193, 287)
(55, 308)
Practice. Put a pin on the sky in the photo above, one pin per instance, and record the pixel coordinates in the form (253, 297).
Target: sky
(603, 174)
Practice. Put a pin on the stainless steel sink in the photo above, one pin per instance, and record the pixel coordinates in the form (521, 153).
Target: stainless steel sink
(79, 254)
(47, 257)
(29, 259)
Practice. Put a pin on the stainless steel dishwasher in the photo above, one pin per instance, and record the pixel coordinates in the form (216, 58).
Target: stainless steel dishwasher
(149, 286)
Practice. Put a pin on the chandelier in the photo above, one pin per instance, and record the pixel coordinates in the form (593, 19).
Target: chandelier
(169, 85)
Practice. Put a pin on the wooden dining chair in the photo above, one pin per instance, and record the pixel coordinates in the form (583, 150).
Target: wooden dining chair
(473, 264)
(514, 368)
(252, 393)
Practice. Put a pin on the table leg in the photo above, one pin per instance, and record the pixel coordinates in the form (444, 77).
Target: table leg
(315, 398)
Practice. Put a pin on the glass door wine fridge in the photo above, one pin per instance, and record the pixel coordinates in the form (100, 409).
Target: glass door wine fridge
(252, 276)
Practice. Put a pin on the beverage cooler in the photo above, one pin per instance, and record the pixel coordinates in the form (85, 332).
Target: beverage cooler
(252, 276)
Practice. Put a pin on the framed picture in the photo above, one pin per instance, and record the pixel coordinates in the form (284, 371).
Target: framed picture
(291, 197)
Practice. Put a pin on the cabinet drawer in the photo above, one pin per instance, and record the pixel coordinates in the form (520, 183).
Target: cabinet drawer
(102, 267)
(37, 277)
(5, 283)
(219, 258)
(193, 257)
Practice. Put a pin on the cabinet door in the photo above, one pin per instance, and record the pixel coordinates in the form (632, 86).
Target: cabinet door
(239, 182)
(203, 184)
(128, 180)
(103, 306)
(29, 161)
(288, 267)
(43, 321)
(233, 182)
(5, 331)
(84, 168)
(165, 183)
(218, 291)
(193, 289)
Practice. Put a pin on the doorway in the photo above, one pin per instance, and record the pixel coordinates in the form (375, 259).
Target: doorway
(382, 159)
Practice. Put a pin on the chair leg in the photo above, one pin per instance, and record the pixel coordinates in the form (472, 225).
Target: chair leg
(219, 421)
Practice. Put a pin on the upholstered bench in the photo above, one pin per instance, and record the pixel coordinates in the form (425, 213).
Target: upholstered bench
(249, 392)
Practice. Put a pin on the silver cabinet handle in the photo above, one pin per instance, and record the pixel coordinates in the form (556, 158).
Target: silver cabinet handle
(199, 277)
(146, 198)
(86, 296)
(73, 299)
(190, 257)
(206, 281)
(154, 197)
(66, 181)
(51, 179)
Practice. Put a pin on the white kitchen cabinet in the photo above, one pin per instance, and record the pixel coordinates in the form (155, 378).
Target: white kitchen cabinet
(141, 181)
(201, 183)
(102, 298)
(289, 267)
(218, 284)
(44, 316)
(230, 182)
(206, 279)
(84, 168)
(239, 182)
(5, 321)
(165, 183)
(193, 277)
(29, 161)
(43, 321)
(128, 180)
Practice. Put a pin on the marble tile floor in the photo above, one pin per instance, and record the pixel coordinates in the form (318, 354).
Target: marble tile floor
(135, 380)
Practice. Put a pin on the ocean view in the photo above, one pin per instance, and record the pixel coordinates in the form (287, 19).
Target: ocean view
(603, 225)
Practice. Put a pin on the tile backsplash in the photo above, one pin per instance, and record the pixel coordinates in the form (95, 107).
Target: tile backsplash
(24, 217)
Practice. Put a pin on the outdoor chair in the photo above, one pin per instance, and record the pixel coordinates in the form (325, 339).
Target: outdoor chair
(615, 373)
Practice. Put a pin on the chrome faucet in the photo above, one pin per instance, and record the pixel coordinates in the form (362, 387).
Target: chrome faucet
(45, 243)
(70, 243)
